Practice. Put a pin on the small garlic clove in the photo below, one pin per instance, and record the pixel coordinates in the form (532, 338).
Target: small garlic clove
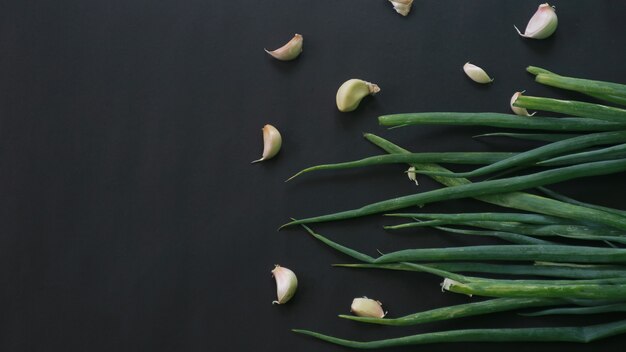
(289, 51)
(352, 91)
(412, 175)
(286, 284)
(516, 110)
(476, 73)
(272, 142)
(402, 7)
(542, 24)
(366, 307)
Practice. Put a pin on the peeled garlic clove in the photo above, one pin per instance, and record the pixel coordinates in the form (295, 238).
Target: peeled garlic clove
(516, 110)
(351, 92)
(286, 284)
(542, 24)
(271, 142)
(476, 73)
(412, 175)
(402, 7)
(289, 51)
(365, 307)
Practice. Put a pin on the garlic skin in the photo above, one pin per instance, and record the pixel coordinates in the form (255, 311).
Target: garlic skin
(476, 73)
(542, 24)
(289, 51)
(402, 7)
(286, 284)
(516, 110)
(272, 141)
(412, 175)
(352, 91)
(366, 307)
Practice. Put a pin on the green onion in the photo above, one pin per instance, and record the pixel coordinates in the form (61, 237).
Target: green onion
(506, 236)
(542, 153)
(558, 253)
(462, 310)
(499, 120)
(569, 200)
(517, 200)
(480, 158)
(608, 308)
(479, 189)
(560, 271)
(609, 153)
(464, 217)
(611, 92)
(563, 334)
(542, 137)
(549, 289)
(583, 231)
(571, 107)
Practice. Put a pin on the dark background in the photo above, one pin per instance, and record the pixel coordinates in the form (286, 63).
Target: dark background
(131, 218)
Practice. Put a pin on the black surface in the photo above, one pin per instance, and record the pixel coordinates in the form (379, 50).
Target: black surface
(130, 217)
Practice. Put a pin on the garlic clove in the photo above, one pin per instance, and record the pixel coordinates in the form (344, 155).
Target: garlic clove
(402, 7)
(352, 91)
(542, 24)
(516, 110)
(476, 73)
(272, 142)
(289, 51)
(286, 284)
(412, 175)
(366, 307)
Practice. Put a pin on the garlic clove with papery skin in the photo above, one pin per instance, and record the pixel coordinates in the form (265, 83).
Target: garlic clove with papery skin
(272, 141)
(352, 91)
(476, 73)
(366, 307)
(516, 110)
(402, 7)
(412, 175)
(286, 284)
(289, 51)
(542, 24)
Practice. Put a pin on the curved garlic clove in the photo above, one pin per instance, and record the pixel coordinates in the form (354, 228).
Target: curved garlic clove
(352, 91)
(366, 307)
(402, 7)
(542, 24)
(476, 73)
(412, 175)
(516, 110)
(272, 142)
(289, 51)
(286, 284)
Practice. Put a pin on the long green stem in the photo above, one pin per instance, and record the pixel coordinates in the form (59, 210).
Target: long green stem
(548, 289)
(461, 310)
(542, 153)
(608, 308)
(569, 200)
(464, 217)
(608, 91)
(517, 200)
(572, 124)
(613, 152)
(571, 107)
(479, 158)
(490, 187)
(556, 253)
(542, 137)
(563, 334)
(560, 271)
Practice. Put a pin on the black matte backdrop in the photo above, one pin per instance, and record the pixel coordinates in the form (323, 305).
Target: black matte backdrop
(130, 217)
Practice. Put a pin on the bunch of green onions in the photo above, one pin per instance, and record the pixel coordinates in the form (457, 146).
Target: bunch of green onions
(575, 247)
